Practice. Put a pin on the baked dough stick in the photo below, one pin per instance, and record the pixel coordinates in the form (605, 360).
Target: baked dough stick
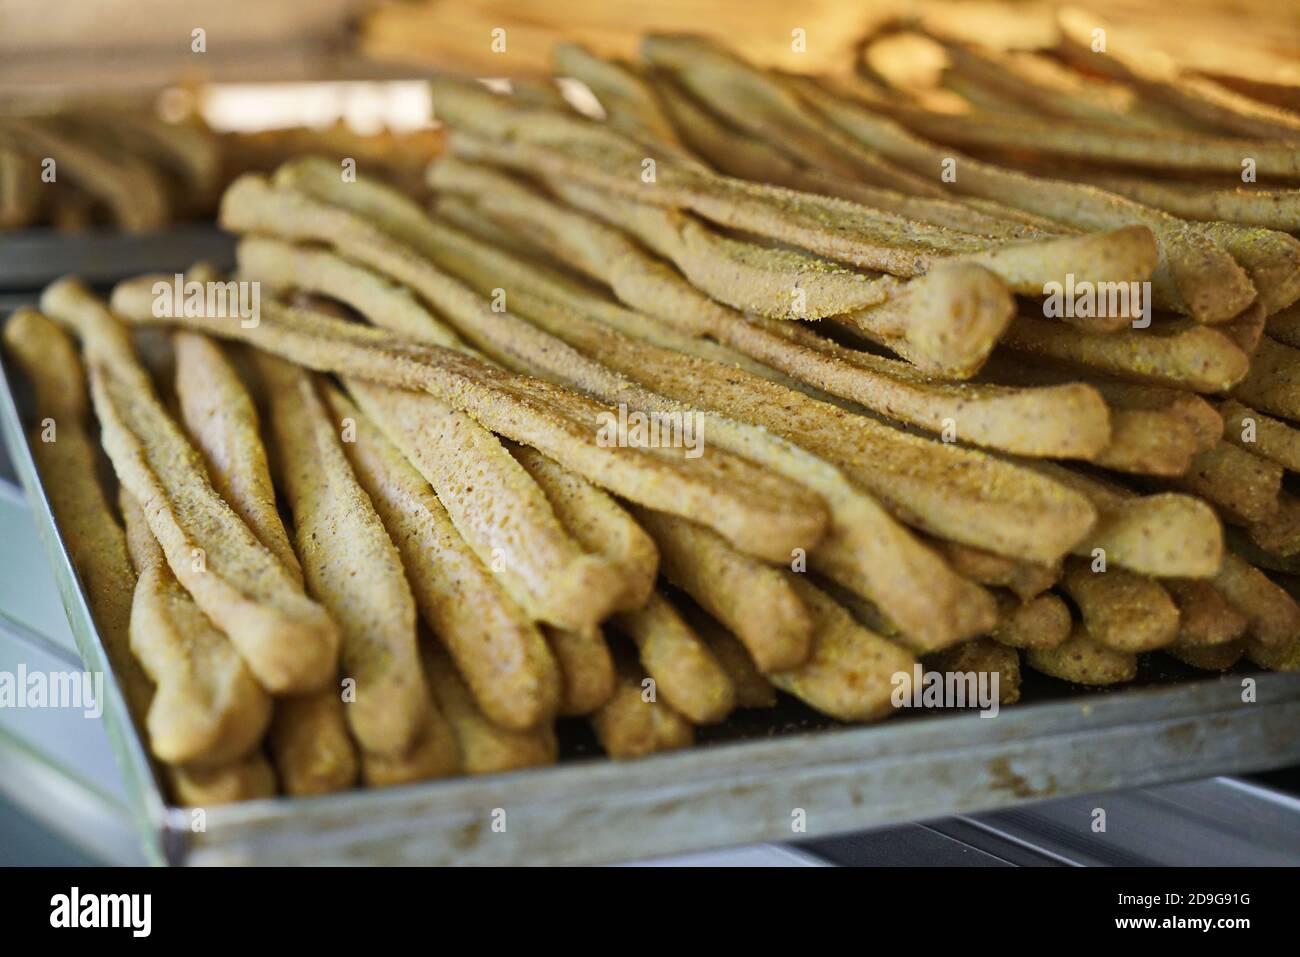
(1062, 421)
(684, 669)
(1186, 357)
(850, 672)
(68, 467)
(931, 605)
(1025, 579)
(913, 476)
(1122, 610)
(1248, 205)
(1205, 617)
(1194, 276)
(219, 415)
(350, 563)
(310, 744)
(598, 523)
(1261, 434)
(485, 746)
(767, 110)
(738, 154)
(1083, 661)
(1273, 383)
(1042, 622)
(1198, 417)
(132, 190)
(587, 677)
(1272, 616)
(1244, 486)
(1102, 145)
(560, 148)
(631, 105)
(982, 656)
(1059, 421)
(434, 754)
(20, 197)
(207, 708)
(244, 780)
(1179, 283)
(501, 653)
(288, 640)
(1214, 658)
(497, 508)
(1160, 78)
(755, 601)
(1279, 533)
(752, 687)
(751, 507)
(630, 726)
(1164, 535)
(945, 322)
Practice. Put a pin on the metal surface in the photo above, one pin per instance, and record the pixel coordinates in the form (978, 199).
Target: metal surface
(752, 780)
(35, 257)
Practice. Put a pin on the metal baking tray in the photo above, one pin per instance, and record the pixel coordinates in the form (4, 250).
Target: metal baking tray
(34, 258)
(745, 782)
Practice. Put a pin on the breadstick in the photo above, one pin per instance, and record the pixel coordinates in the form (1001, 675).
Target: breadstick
(350, 564)
(288, 640)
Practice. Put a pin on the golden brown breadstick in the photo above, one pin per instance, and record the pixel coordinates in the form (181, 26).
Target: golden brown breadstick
(982, 656)
(244, 780)
(288, 640)
(132, 189)
(501, 653)
(633, 724)
(1279, 533)
(630, 103)
(1122, 610)
(1272, 616)
(219, 415)
(1161, 535)
(207, 707)
(587, 677)
(1083, 661)
(850, 671)
(750, 506)
(865, 550)
(1204, 616)
(310, 744)
(755, 601)
(350, 565)
(1188, 357)
(65, 456)
(1194, 275)
(753, 689)
(1041, 622)
(1261, 434)
(435, 753)
(685, 671)
(599, 525)
(1213, 658)
(282, 265)
(542, 566)
(1273, 383)
(485, 747)
(1026, 579)
(1243, 485)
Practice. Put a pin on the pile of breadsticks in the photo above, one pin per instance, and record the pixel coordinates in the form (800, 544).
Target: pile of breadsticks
(904, 454)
